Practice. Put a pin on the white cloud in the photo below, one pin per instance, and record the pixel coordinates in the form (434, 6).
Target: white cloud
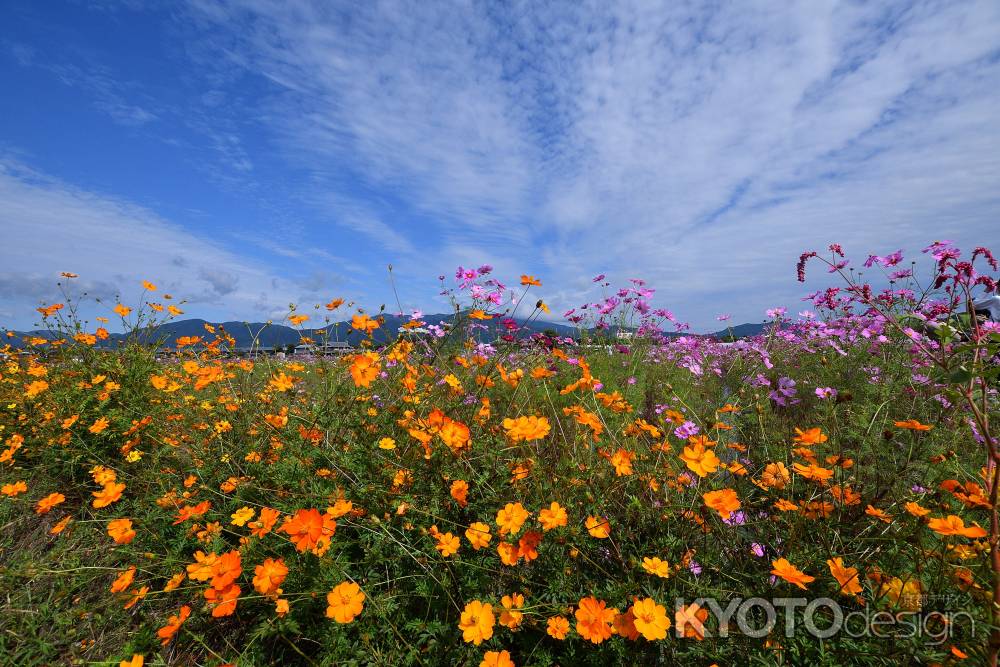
(50, 227)
(702, 147)
(699, 146)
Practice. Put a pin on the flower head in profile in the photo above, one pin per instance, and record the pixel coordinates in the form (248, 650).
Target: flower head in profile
(953, 525)
(526, 428)
(45, 505)
(167, 632)
(790, 573)
(656, 566)
(847, 577)
(345, 602)
(725, 502)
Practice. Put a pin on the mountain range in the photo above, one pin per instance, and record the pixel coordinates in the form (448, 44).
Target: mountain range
(264, 335)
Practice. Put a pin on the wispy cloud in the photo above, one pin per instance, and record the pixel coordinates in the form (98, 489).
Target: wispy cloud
(699, 146)
(702, 146)
(50, 227)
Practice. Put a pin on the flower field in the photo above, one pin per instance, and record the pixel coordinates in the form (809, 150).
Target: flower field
(464, 494)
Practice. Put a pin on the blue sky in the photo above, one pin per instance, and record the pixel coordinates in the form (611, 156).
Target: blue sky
(245, 155)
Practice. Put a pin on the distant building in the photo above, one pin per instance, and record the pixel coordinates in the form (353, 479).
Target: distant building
(328, 348)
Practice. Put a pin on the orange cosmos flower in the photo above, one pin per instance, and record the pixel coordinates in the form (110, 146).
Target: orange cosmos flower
(121, 531)
(511, 518)
(916, 510)
(167, 632)
(447, 543)
(137, 596)
(847, 577)
(622, 461)
(123, 580)
(265, 522)
(226, 569)
(775, 476)
(791, 574)
(60, 526)
(99, 425)
(136, 661)
(511, 617)
(174, 582)
(296, 320)
(269, 575)
(530, 280)
(497, 659)
(191, 511)
(878, 514)
(476, 622)
(364, 324)
(624, 625)
(526, 428)
(46, 504)
(460, 491)
(913, 425)
(650, 619)
(813, 436)
(365, 368)
(281, 382)
(593, 619)
(813, 472)
(14, 489)
(308, 529)
(953, 525)
(478, 535)
(122, 310)
(527, 546)
(700, 460)
(725, 502)
(344, 602)
(598, 527)
(509, 554)
(223, 601)
(691, 619)
(111, 493)
(784, 505)
(557, 627)
(553, 516)
(655, 566)
(203, 567)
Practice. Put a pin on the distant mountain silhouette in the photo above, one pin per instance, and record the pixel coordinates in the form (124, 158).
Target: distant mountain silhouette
(264, 335)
